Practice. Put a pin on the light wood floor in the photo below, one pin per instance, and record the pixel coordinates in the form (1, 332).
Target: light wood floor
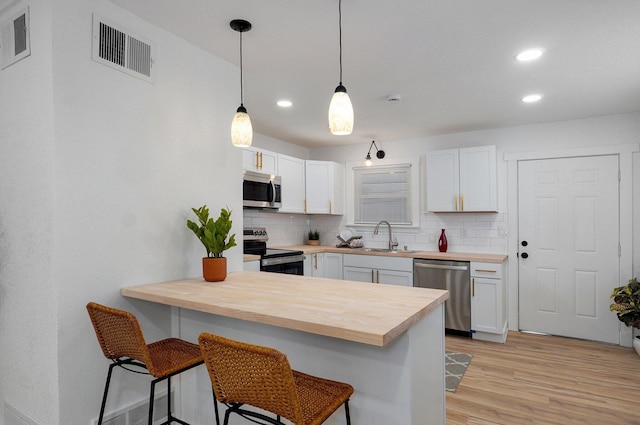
(537, 379)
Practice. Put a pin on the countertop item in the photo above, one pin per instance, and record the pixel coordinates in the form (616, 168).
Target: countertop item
(430, 255)
(353, 311)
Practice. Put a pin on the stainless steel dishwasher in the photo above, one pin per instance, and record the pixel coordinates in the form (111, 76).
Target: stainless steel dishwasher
(454, 277)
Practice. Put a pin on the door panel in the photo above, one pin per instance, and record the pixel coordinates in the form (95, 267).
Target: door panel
(568, 229)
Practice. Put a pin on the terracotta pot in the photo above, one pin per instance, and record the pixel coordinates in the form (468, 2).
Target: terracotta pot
(313, 242)
(214, 269)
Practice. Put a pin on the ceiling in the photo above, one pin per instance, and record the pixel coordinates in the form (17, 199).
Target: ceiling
(451, 62)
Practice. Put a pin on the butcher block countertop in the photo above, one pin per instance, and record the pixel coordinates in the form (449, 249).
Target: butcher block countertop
(431, 255)
(353, 311)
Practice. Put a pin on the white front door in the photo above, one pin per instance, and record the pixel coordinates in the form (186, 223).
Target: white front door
(568, 215)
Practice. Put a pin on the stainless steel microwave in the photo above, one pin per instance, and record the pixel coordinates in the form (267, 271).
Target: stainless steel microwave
(261, 190)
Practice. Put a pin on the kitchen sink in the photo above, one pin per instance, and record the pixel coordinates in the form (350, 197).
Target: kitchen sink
(390, 251)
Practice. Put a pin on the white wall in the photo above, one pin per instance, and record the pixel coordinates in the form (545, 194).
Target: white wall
(98, 173)
(28, 321)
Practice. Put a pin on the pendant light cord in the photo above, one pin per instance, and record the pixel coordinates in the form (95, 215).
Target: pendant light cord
(340, 37)
(241, 77)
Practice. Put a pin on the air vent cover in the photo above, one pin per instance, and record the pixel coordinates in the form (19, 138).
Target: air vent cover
(118, 48)
(14, 38)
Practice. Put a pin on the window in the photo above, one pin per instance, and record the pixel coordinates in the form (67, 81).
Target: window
(387, 192)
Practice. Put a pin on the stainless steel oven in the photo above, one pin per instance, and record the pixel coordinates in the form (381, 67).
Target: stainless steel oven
(282, 261)
(272, 260)
(261, 190)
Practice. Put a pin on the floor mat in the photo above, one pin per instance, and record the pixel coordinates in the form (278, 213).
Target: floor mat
(455, 366)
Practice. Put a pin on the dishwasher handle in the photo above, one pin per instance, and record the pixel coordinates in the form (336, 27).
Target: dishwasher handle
(441, 267)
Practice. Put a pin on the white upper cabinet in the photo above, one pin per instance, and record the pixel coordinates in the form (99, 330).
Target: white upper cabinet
(293, 183)
(260, 160)
(324, 187)
(462, 180)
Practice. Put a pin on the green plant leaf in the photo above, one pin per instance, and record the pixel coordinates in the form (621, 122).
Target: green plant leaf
(213, 233)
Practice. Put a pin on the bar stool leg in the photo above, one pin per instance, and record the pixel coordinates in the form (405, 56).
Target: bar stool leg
(104, 395)
(151, 399)
(346, 411)
(169, 417)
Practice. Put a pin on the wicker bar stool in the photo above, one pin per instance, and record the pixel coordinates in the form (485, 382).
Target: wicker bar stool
(245, 374)
(122, 342)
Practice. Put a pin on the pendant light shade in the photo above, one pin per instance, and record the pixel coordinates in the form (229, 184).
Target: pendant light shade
(340, 113)
(340, 108)
(241, 128)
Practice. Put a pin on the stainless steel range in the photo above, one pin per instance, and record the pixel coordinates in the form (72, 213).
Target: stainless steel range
(271, 259)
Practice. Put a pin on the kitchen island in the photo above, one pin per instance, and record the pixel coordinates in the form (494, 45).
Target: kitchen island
(386, 341)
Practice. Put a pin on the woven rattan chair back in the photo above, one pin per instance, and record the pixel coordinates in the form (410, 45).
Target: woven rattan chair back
(251, 374)
(119, 335)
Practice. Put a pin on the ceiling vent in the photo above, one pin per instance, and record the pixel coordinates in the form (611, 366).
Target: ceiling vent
(118, 48)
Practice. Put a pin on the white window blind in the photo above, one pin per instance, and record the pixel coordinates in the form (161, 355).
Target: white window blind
(383, 193)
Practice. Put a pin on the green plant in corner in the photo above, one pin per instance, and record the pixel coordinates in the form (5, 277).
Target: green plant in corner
(314, 235)
(626, 303)
(213, 233)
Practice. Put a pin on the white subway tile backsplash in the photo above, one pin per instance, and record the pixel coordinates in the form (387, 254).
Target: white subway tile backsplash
(468, 232)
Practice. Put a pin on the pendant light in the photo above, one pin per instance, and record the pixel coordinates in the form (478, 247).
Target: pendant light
(340, 109)
(241, 129)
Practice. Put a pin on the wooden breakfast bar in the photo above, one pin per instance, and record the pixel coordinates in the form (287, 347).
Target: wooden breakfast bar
(387, 341)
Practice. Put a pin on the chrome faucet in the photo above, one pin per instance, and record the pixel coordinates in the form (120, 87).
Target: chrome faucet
(392, 244)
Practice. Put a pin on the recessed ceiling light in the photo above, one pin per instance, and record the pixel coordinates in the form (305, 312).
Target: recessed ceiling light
(529, 55)
(284, 103)
(532, 98)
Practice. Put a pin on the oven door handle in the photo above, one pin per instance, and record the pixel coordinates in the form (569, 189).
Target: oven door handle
(282, 260)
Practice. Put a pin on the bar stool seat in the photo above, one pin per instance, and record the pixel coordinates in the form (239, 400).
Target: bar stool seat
(244, 374)
(120, 337)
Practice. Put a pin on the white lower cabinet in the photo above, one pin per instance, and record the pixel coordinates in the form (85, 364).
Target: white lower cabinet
(488, 302)
(323, 264)
(378, 269)
(332, 265)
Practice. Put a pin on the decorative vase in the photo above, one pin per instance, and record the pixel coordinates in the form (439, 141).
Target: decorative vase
(636, 344)
(442, 242)
(214, 269)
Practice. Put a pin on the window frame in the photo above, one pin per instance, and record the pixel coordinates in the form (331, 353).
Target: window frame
(414, 191)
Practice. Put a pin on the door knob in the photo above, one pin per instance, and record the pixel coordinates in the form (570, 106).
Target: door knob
(524, 255)
(525, 243)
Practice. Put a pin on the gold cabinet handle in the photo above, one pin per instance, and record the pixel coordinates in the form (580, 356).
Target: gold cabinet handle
(257, 160)
(462, 202)
(315, 259)
(456, 197)
(330, 207)
(261, 160)
(473, 287)
(486, 271)
(305, 205)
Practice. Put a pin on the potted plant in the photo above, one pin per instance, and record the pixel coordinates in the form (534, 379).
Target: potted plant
(314, 238)
(213, 235)
(626, 304)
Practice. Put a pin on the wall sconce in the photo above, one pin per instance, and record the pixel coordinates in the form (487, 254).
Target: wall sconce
(379, 154)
